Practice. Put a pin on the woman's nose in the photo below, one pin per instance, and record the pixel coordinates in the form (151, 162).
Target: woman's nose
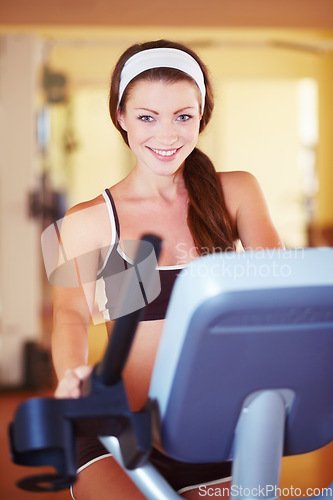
(167, 134)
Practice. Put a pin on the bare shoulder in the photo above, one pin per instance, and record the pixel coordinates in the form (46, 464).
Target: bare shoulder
(77, 254)
(88, 206)
(238, 180)
(238, 186)
(86, 224)
(249, 211)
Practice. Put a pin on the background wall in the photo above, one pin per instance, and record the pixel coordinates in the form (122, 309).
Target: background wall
(244, 13)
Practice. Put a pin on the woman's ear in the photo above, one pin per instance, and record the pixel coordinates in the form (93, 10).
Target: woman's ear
(121, 120)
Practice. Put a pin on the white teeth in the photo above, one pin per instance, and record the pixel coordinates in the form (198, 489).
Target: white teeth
(161, 152)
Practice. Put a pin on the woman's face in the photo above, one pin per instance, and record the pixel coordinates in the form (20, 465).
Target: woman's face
(162, 123)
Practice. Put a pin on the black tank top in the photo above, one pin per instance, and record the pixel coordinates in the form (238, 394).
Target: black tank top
(117, 262)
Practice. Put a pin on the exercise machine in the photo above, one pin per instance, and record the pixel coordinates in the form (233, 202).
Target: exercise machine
(244, 372)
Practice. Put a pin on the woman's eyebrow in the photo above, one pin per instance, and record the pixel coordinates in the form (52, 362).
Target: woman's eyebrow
(148, 110)
(157, 113)
(183, 109)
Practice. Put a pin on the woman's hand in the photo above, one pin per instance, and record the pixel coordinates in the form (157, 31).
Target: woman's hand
(69, 385)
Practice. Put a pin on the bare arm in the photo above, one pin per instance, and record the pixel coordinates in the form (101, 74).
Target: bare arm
(249, 211)
(73, 304)
(71, 323)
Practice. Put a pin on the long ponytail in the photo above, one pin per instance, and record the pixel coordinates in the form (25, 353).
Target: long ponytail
(207, 217)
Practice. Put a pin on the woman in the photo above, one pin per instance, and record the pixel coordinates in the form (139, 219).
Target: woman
(160, 100)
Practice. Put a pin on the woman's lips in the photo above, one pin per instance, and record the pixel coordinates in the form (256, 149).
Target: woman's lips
(164, 154)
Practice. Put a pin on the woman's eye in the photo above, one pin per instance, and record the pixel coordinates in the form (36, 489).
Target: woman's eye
(184, 118)
(146, 118)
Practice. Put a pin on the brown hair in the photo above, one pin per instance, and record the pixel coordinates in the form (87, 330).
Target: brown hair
(208, 218)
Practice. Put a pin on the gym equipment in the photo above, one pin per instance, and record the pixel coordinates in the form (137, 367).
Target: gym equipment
(243, 373)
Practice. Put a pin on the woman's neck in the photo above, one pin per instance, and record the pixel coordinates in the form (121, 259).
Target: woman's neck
(150, 185)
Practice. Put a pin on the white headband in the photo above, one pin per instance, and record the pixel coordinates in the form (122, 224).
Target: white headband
(162, 58)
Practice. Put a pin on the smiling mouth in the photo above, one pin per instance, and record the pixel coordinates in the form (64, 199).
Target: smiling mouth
(165, 152)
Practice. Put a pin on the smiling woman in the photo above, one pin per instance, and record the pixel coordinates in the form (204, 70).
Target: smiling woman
(162, 131)
(160, 100)
(205, 219)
